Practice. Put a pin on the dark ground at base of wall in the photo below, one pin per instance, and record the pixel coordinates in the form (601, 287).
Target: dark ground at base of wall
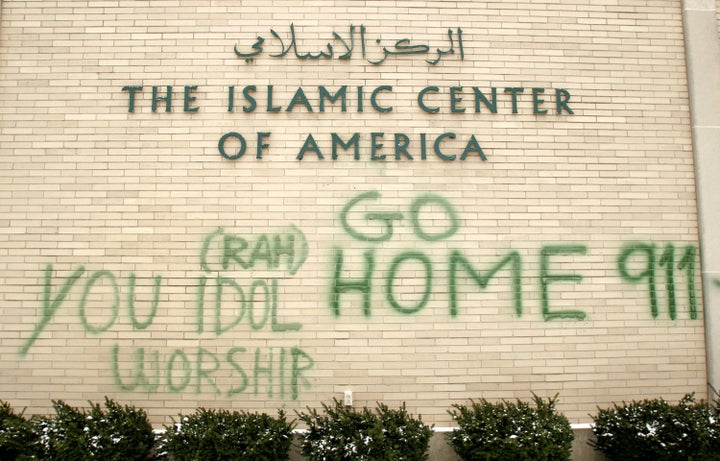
(441, 451)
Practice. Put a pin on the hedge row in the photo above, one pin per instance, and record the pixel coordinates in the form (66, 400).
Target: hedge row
(517, 431)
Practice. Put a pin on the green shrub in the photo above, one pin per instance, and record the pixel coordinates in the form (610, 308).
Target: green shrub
(343, 433)
(509, 431)
(405, 437)
(220, 435)
(16, 436)
(655, 429)
(118, 433)
(61, 437)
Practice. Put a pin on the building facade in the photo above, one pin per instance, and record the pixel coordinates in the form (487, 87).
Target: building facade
(260, 205)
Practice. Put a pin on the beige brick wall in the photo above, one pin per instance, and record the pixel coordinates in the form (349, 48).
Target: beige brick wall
(593, 213)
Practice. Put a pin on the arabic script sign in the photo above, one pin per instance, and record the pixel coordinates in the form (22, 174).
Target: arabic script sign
(468, 101)
(371, 50)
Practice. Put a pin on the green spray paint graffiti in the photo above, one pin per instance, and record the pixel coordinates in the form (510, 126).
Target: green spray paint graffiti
(51, 304)
(647, 274)
(227, 302)
(280, 371)
(377, 226)
(285, 250)
(268, 371)
(385, 220)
